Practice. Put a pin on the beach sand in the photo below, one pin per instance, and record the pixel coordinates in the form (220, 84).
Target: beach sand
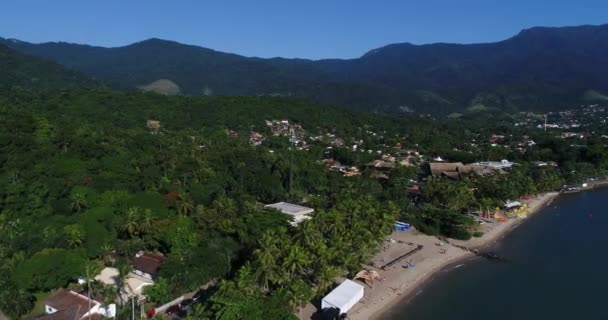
(400, 282)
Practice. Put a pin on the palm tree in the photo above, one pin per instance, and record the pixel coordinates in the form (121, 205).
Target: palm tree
(106, 253)
(147, 223)
(131, 226)
(78, 201)
(296, 261)
(325, 277)
(198, 312)
(245, 279)
(224, 206)
(297, 294)
(265, 258)
(184, 204)
(74, 235)
(121, 282)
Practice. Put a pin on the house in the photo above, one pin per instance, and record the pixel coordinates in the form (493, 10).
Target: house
(153, 125)
(381, 165)
(146, 264)
(566, 135)
(458, 170)
(69, 305)
(496, 138)
(503, 164)
(134, 284)
(299, 213)
(440, 169)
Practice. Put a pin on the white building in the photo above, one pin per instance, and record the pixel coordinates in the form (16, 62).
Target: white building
(504, 164)
(299, 213)
(343, 297)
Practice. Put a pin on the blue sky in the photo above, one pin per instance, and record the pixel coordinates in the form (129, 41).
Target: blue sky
(306, 28)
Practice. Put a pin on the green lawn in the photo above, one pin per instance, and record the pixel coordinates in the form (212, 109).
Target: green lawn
(39, 305)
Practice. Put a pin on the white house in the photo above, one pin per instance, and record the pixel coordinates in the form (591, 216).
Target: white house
(134, 284)
(299, 213)
(503, 164)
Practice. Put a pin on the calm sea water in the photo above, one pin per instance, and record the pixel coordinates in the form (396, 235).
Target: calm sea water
(558, 269)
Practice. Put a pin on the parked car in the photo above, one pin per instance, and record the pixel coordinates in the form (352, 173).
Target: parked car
(173, 309)
(185, 303)
(198, 295)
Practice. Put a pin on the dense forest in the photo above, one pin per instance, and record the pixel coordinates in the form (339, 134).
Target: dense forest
(85, 182)
(31, 72)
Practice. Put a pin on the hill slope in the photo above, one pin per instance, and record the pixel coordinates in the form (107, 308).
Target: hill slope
(538, 68)
(32, 72)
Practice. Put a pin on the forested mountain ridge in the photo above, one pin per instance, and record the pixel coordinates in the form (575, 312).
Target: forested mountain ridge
(17, 69)
(539, 68)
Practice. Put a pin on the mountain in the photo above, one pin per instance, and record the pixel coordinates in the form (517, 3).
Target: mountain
(32, 72)
(539, 68)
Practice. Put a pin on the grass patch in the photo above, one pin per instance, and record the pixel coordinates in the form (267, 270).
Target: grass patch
(39, 304)
(477, 108)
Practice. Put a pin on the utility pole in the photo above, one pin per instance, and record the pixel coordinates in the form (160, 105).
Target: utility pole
(545, 122)
(293, 144)
(89, 290)
(132, 308)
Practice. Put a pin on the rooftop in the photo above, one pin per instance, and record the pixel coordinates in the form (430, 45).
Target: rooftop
(289, 208)
(75, 312)
(148, 263)
(63, 298)
(108, 276)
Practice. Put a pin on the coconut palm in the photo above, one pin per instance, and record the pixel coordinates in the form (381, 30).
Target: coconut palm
(245, 279)
(74, 234)
(79, 201)
(106, 252)
(265, 257)
(122, 285)
(297, 261)
(297, 294)
(325, 277)
(147, 223)
(184, 204)
(131, 225)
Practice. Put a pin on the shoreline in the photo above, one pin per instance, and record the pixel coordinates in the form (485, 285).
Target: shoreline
(401, 285)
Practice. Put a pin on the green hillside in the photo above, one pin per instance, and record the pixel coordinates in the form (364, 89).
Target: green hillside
(31, 72)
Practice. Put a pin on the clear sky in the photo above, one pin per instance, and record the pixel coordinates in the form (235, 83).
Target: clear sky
(289, 28)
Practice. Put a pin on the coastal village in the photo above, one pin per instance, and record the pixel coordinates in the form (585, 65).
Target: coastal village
(406, 258)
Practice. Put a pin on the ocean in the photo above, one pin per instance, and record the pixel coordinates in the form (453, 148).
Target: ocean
(557, 269)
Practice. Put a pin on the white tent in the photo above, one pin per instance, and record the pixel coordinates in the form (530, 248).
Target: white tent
(343, 297)
(512, 204)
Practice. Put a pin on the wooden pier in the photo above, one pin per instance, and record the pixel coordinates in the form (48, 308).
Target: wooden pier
(401, 257)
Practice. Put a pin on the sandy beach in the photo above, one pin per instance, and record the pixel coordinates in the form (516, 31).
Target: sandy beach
(435, 255)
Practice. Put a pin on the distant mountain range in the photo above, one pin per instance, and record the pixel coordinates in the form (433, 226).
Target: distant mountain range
(17, 69)
(539, 68)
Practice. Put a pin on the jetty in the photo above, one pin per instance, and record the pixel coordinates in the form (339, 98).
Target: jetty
(487, 255)
(401, 257)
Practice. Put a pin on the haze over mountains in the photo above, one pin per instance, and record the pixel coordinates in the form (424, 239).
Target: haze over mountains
(539, 68)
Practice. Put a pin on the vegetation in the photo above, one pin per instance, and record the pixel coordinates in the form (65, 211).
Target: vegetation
(31, 72)
(83, 179)
(539, 68)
